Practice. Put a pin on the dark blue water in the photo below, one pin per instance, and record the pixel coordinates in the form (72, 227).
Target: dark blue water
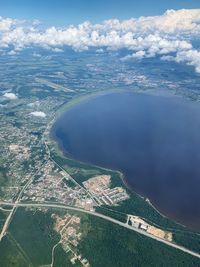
(154, 141)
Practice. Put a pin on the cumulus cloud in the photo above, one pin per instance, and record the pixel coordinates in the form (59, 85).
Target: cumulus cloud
(7, 23)
(167, 58)
(38, 114)
(162, 35)
(191, 57)
(172, 21)
(10, 96)
(12, 53)
(138, 55)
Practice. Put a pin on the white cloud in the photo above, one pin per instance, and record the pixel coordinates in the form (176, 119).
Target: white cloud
(38, 114)
(57, 50)
(167, 58)
(12, 53)
(191, 57)
(138, 55)
(7, 23)
(162, 35)
(10, 96)
(99, 51)
(172, 21)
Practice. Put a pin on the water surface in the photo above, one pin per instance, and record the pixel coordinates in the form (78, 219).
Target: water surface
(153, 140)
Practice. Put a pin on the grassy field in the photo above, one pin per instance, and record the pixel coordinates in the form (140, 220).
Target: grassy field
(11, 255)
(31, 237)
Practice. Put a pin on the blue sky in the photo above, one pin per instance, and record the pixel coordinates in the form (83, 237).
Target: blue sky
(157, 33)
(64, 12)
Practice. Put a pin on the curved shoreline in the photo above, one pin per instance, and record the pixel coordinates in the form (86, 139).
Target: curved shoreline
(70, 104)
(60, 151)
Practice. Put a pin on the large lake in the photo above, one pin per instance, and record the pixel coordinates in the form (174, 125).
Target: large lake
(153, 140)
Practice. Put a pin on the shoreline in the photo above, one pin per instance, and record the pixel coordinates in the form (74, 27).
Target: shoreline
(60, 151)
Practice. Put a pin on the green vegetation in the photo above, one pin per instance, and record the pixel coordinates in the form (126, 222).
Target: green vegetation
(120, 216)
(3, 215)
(192, 239)
(11, 255)
(79, 171)
(3, 176)
(33, 231)
(135, 205)
(62, 258)
(30, 237)
(106, 244)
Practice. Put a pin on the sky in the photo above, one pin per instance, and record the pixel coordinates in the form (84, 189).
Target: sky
(145, 28)
(65, 12)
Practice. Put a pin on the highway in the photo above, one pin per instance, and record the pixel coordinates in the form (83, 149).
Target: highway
(12, 212)
(51, 205)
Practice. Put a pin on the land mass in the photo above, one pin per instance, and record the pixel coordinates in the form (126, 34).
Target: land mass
(64, 207)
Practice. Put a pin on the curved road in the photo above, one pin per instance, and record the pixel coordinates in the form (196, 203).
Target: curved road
(49, 205)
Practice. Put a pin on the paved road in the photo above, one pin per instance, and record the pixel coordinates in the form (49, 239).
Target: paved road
(12, 212)
(14, 206)
(49, 205)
